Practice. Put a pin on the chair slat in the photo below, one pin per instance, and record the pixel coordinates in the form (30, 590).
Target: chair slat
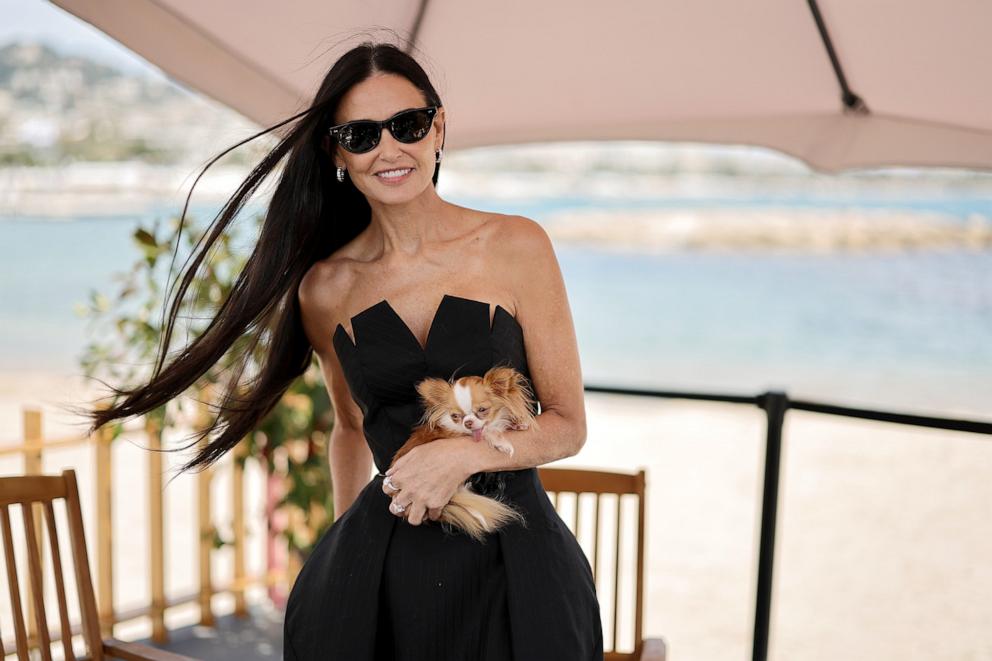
(81, 567)
(34, 567)
(20, 634)
(578, 519)
(587, 481)
(53, 539)
(641, 533)
(575, 517)
(595, 546)
(24, 488)
(616, 575)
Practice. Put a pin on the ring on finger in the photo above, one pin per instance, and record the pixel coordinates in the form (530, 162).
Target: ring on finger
(389, 483)
(396, 507)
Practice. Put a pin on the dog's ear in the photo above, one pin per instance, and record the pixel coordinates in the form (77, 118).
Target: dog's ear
(515, 390)
(500, 380)
(433, 390)
(433, 393)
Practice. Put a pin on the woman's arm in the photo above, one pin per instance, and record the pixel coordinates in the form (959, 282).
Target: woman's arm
(552, 356)
(351, 466)
(348, 453)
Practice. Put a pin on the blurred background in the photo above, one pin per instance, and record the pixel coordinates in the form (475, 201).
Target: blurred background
(730, 269)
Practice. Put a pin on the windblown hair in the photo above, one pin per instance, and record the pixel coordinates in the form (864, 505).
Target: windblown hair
(310, 215)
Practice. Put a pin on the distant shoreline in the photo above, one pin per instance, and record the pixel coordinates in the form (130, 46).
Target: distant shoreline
(136, 189)
(126, 189)
(817, 230)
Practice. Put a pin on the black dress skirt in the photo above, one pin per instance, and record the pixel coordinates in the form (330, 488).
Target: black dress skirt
(376, 587)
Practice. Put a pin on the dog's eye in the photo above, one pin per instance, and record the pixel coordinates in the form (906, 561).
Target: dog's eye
(481, 410)
(456, 416)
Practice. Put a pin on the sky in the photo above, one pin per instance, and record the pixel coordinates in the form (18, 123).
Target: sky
(40, 20)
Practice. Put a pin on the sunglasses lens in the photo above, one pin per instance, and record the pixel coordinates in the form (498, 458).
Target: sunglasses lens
(412, 125)
(359, 137)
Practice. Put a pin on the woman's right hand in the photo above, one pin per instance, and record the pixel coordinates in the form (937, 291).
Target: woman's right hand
(424, 479)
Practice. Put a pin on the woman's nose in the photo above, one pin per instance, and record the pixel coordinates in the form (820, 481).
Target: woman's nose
(388, 145)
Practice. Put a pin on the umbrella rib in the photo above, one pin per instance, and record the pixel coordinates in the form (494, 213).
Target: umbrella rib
(852, 102)
(416, 24)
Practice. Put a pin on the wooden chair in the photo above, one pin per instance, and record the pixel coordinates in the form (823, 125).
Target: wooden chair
(45, 490)
(576, 481)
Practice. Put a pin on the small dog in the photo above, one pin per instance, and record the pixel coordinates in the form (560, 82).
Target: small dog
(484, 407)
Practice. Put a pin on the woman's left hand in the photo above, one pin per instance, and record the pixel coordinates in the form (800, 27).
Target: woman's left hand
(428, 476)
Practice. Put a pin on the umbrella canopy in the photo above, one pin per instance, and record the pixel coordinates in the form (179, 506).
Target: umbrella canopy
(839, 85)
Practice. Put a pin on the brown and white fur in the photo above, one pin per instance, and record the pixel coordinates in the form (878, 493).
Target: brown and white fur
(483, 407)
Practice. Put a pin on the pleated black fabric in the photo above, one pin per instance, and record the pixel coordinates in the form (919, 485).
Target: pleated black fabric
(376, 588)
(446, 600)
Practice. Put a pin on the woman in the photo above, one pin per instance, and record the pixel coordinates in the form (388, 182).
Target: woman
(361, 262)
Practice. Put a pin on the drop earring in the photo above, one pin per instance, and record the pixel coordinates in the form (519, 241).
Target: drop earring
(341, 174)
(437, 156)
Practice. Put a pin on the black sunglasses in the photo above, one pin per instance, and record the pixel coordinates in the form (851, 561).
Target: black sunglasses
(363, 135)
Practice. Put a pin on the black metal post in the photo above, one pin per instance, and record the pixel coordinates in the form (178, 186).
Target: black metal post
(775, 404)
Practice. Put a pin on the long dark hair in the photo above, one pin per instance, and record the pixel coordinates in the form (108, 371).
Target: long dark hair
(310, 215)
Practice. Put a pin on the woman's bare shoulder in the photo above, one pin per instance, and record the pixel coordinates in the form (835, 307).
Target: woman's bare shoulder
(327, 278)
(520, 240)
(322, 295)
(502, 230)
(520, 253)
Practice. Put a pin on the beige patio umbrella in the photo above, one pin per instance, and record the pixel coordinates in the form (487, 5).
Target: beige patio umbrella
(841, 85)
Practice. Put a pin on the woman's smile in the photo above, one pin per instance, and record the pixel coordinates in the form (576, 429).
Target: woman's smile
(394, 177)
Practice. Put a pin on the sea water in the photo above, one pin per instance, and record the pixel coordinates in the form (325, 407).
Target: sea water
(901, 330)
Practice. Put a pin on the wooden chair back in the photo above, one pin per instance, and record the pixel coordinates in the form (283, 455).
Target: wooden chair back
(615, 489)
(30, 493)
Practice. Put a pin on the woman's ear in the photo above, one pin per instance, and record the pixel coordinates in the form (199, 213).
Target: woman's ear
(439, 127)
(327, 146)
(331, 150)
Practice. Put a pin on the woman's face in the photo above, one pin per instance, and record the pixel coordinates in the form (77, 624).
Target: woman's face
(379, 98)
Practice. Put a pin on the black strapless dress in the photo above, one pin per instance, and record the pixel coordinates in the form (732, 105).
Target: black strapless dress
(376, 587)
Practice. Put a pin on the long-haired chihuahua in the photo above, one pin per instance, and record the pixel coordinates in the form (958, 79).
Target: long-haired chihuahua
(483, 407)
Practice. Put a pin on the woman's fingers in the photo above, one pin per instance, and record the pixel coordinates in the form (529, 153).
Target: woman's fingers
(389, 487)
(415, 514)
(397, 508)
(419, 478)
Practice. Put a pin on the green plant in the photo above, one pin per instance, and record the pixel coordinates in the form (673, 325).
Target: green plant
(291, 443)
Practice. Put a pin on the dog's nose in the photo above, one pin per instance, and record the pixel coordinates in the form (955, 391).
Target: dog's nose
(468, 424)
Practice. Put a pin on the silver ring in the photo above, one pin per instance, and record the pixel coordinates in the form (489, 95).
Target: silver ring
(396, 507)
(389, 483)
